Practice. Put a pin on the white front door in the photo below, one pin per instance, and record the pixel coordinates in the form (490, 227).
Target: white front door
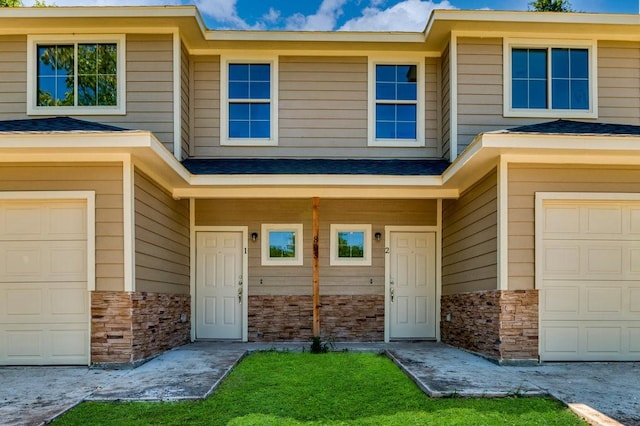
(412, 285)
(219, 285)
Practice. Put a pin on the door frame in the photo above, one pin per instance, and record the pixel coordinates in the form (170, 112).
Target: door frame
(245, 274)
(387, 269)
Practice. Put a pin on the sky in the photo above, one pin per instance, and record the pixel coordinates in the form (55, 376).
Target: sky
(340, 15)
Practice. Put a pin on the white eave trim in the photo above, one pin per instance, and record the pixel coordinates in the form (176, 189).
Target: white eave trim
(316, 36)
(561, 141)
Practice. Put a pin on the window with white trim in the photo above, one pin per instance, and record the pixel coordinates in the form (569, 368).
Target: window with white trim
(282, 244)
(350, 245)
(76, 75)
(550, 81)
(396, 103)
(249, 109)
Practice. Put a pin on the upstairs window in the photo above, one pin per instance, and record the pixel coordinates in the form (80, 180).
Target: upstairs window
(550, 82)
(76, 77)
(248, 88)
(396, 102)
(396, 107)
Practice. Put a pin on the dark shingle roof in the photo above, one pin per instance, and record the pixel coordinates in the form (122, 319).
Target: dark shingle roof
(570, 127)
(55, 124)
(286, 166)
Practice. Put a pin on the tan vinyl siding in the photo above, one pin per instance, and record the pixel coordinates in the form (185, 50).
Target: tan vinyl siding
(106, 180)
(322, 110)
(479, 88)
(149, 84)
(13, 77)
(619, 82)
(149, 87)
(446, 103)
(525, 180)
(334, 280)
(184, 101)
(205, 105)
(469, 244)
(162, 239)
(432, 112)
(323, 104)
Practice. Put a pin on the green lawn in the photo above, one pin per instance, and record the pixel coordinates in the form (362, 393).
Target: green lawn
(272, 388)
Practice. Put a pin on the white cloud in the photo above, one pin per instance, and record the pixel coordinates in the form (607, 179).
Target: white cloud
(271, 17)
(408, 15)
(323, 20)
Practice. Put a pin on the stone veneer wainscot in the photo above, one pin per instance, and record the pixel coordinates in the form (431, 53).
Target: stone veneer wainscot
(129, 328)
(290, 318)
(501, 325)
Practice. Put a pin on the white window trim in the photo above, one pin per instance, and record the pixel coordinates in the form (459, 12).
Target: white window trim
(590, 45)
(224, 99)
(419, 61)
(32, 70)
(289, 261)
(334, 260)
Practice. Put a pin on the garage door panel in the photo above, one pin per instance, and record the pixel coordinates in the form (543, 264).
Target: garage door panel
(31, 261)
(634, 300)
(560, 340)
(26, 346)
(634, 340)
(602, 221)
(562, 300)
(561, 260)
(591, 260)
(601, 340)
(67, 222)
(23, 302)
(21, 222)
(42, 221)
(604, 260)
(589, 341)
(44, 344)
(590, 280)
(65, 302)
(604, 300)
(562, 220)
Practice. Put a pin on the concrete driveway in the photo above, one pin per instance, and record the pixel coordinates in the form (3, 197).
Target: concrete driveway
(33, 395)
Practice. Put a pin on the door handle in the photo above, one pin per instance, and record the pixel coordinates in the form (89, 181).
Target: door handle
(240, 295)
(392, 294)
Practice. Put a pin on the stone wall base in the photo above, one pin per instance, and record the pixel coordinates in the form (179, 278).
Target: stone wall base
(501, 325)
(290, 318)
(129, 327)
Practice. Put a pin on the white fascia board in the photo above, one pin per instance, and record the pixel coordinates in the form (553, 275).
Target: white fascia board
(314, 180)
(78, 140)
(288, 191)
(316, 36)
(561, 141)
(542, 17)
(101, 12)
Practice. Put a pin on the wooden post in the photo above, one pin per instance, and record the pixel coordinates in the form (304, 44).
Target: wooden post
(316, 264)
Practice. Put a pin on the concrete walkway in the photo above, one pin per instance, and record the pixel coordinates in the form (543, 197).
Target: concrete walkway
(33, 395)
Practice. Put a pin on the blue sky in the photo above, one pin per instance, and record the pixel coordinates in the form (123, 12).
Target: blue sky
(345, 15)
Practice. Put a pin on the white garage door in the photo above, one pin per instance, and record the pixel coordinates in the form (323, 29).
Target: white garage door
(590, 281)
(44, 302)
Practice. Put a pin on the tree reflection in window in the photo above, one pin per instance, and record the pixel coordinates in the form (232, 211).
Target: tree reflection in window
(282, 244)
(91, 68)
(350, 245)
